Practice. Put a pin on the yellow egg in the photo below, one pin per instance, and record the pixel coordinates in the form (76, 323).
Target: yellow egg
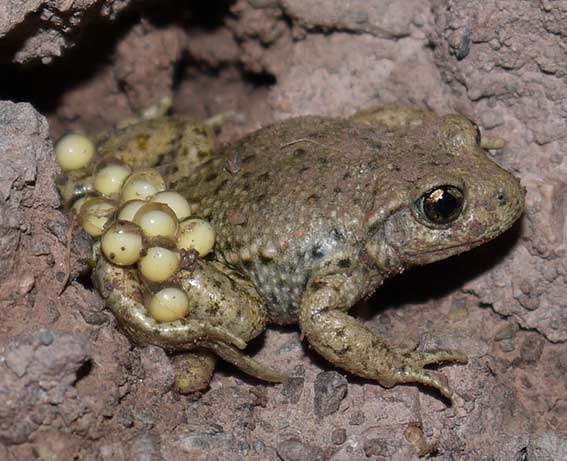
(142, 185)
(94, 214)
(76, 208)
(156, 220)
(196, 234)
(158, 264)
(175, 201)
(109, 178)
(74, 151)
(122, 243)
(129, 209)
(168, 305)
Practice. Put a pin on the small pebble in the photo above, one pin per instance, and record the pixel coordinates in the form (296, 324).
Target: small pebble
(330, 389)
(292, 389)
(356, 418)
(338, 436)
(295, 450)
(375, 447)
(45, 337)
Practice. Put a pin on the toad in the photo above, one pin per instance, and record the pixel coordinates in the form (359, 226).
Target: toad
(311, 215)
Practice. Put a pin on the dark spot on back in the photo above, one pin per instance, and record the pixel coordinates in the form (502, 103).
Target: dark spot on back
(260, 198)
(264, 177)
(247, 264)
(313, 199)
(376, 146)
(220, 186)
(248, 158)
(299, 152)
(338, 236)
(273, 299)
(142, 141)
(264, 260)
(213, 309)
(217, 284)
(318, 285)
(317, 252)
(211, 176)
(344, 263)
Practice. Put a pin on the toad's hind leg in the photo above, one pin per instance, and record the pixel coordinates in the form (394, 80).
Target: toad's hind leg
(225, 314)
(175, 144)
(347, 343)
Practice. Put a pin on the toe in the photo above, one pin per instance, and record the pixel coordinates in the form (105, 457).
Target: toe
(421, 359)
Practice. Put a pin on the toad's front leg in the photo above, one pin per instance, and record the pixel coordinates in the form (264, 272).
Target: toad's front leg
(347, 343)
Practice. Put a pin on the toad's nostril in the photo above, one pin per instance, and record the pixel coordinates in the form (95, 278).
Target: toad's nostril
(501, 197)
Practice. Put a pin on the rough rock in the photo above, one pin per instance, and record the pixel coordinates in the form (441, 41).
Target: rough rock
(511, 80)
(36, 384)
(501, 63)
(548, 446)
(50, 26)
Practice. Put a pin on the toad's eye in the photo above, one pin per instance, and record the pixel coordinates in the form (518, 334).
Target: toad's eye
(442, 205)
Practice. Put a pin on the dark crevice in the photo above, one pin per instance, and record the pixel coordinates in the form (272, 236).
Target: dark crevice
(264, 79)
(83, 371)
(85, 280)
(210, 15)
(43, 85)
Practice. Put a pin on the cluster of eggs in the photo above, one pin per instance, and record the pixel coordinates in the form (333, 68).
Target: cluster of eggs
(137, 220)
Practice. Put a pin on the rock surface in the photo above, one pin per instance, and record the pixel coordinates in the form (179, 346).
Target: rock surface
(71, 384)
(44, 29)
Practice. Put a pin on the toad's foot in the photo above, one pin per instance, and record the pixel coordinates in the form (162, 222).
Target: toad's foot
(194, 370)
(409, 368)
(347, 343)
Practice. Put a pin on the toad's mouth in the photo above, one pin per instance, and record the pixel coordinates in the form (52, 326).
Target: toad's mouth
(422, 256)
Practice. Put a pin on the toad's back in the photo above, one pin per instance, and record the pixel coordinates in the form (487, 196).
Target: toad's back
(290, 200)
